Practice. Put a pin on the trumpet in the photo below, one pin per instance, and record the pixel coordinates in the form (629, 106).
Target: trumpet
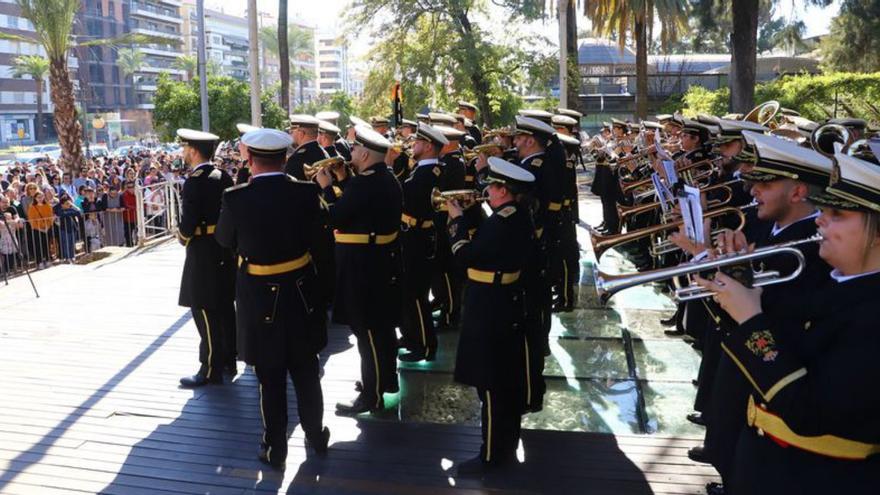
(711, 163)
(608, 285)
(312, 170)
(465, 197)
(490, 149)
(602, 243)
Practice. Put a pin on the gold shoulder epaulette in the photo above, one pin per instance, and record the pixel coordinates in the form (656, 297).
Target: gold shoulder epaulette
(197, 173)
(507, 211)
(537, 162)
(367, 172)
(437, 171)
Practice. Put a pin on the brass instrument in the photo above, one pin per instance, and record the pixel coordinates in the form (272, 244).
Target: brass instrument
(824, 137)
(608, 285)
(490, 149)
(465, 197)
(602, 243)
(712, 163)
(312, 170)
(627, 211)
(764, 114)
(402, 145)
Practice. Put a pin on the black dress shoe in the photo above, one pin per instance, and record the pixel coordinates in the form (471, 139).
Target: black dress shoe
(669, 322)
(696, 418)
(272, 457)
(673, 333)
(360, 405)
(414, 357)
(319, 444)
(200, 380)
(697, 454)
(714, 488)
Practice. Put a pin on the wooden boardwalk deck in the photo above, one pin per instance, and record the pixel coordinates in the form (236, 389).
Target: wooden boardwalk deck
(89, 403)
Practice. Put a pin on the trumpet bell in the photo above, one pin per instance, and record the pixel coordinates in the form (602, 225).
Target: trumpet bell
(465, 197)
(312, 170)
(763, 113)
(824, 137)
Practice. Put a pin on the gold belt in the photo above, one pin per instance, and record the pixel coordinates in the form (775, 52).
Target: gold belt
(468, 178)
(277, 268)
(491, 277)
(554, 206)
(207, 230)
(567, 202)
(414, 222)
(772, 425)
(371, 238)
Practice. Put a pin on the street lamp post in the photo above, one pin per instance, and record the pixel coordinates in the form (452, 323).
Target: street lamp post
(203, 62)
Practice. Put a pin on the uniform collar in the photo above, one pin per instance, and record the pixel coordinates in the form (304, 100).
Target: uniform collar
(307, 143)
(203, 164)
(428, 161)
(532, 156)
(267, 174)
(505, 205)
(776, 229)
(841, 278)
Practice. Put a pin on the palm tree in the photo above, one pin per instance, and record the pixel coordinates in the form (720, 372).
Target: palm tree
(190, 65)
(53, 22)
(620, 17)
(283, 55)
(791, 38)
(37, 68)
(300, 47)
(129, 61)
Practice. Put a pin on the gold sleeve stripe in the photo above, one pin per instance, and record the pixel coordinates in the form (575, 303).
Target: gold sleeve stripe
(459, 244)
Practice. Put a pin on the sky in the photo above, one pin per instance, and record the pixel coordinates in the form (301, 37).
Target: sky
(328, 13)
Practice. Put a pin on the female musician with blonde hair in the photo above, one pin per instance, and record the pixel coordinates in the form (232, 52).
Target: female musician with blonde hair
(812, 422)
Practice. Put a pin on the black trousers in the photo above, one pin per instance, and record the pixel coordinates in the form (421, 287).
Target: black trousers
(376, 347)
(230, 354)
(416, 325)
(212, 350)
(446, 287)
(273, 403)
(501, 415)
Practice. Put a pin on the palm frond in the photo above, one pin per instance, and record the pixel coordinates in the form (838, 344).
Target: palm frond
(127, 39)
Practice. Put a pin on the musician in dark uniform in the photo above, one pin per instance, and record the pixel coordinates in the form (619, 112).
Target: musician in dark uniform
(244, 173)
(368, 266)
(399, 159)
(810, 419)
(462, 123)
(469, 110)
(604, 186)
(304, 131)
(208, 282)
(446, 281)
(381, 125)
(328, 134)
(564, 285)
(276, 225)
(786, 216)
(342, 148)
(542, 155)
(492, 349)
(419, 244)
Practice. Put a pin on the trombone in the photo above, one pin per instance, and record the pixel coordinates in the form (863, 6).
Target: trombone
(312, 170)
(465, 197)
(490, 149)
(625, 211)
(609, 285)
(602, 243)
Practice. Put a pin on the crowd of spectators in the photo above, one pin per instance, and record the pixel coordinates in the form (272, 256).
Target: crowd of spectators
(50, 215)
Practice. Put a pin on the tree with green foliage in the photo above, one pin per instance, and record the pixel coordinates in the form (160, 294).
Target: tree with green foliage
(639, 18)
(35, 67)
(129, 61)
(853, 44)
(816, 97)
(53, 22)
(440, 55)
(791, 38)
(190, 65)
(177, 105)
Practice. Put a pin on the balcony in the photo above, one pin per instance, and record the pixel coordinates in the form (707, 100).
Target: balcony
(175, 3)
(152, 12)
(151, 32)
(145, 106)
(161, 50)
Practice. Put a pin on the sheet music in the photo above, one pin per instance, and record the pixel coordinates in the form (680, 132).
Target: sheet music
(661, 153)
(692, 213)
(662, 193)
(669, 170)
